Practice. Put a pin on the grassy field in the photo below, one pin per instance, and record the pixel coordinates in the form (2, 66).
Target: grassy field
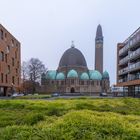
(75, 119)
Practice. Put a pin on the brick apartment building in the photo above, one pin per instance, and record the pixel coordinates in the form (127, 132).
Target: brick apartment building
(9, 62)
(128, 64)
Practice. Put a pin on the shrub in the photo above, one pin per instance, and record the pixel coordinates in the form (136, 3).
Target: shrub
(32, 118)
(76, 119)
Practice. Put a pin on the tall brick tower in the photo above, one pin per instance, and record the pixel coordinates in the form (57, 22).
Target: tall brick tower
(99, 50)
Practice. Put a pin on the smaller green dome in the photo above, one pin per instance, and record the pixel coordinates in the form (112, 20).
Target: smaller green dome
(84, 76)
(72, 74)
(90, 72)
(60, 76)
(105, 75)
(51, 74)
(96, 75)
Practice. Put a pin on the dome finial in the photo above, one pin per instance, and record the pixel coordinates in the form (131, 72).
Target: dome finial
(72, 44)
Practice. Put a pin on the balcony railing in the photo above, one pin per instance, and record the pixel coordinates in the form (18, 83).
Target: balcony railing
(134, 66)
(123, 71)
(121, 80)
(130, 79)
(124, 60)
(130, 68)
(135, 54)
(124, 49)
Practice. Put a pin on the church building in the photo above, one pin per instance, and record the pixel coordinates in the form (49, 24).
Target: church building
(73, 76)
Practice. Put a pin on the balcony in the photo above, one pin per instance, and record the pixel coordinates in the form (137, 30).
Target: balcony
(135, 54)
(135, 66)
(124, 60)
(124, 49)
(123, 71)
(135, 41)
(122, 80)
(135, 77)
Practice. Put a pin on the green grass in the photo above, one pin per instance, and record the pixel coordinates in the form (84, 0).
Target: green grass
(75, 119)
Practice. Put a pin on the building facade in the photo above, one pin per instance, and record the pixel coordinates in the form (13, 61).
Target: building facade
(73, 76)
(128, 64)
(9, 62)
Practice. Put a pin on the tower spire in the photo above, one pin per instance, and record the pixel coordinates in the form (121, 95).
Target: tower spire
(99, 50)
(99, 34)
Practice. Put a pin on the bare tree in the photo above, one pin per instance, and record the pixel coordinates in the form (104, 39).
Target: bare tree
(24, 70)
(24, 76)
(32, 71)
(36, 69)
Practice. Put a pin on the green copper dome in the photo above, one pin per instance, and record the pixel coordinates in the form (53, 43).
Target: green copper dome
(51, 75)
(60, 76)
(72, 74)
(96, 75)
(84, 76)
(90, 72)
(105, 75)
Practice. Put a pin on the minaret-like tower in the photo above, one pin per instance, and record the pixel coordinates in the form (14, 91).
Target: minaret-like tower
(99, 50)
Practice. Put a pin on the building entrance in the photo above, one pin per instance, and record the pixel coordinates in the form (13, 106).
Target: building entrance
(72, 90)
(3, 91)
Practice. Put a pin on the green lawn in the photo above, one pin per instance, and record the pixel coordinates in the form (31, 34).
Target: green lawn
(73, 119)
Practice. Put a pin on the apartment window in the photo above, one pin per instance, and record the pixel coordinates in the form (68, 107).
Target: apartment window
(1, 77)
(13, 62)
(2, 56)
(8, 69)
(16, 71)
(8, 49)
(1, 34)
(6, 78)
(6, 58)
(13, 79)
(12, 42)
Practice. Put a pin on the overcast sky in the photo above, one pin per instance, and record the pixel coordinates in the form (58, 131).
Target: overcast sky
(46, 28)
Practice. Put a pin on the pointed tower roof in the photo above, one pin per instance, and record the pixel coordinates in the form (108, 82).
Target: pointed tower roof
(99, 31)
